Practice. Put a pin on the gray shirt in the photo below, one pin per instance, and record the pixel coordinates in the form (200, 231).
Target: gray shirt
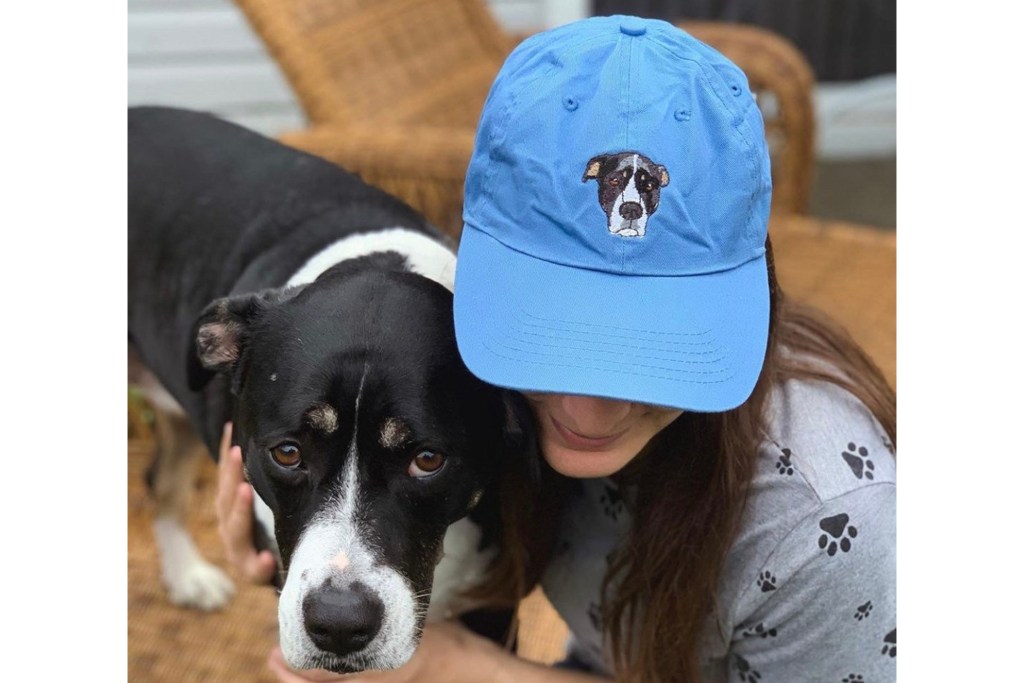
(808, 592)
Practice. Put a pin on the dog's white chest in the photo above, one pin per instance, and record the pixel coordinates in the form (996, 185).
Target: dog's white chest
(462, 566)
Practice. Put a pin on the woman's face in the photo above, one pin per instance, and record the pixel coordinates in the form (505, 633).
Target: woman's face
(583, 436)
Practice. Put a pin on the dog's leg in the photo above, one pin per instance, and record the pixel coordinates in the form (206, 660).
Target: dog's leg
(190, 580)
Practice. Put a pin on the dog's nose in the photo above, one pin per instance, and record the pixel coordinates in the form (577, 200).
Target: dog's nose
(342, 620)
(631, 210)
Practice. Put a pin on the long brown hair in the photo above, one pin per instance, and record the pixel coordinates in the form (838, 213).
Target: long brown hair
(661, 585)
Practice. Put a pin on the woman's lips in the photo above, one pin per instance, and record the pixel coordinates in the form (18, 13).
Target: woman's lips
(579, 442)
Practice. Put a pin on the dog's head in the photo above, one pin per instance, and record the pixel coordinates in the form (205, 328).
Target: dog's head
(628, 189)
(366, 436)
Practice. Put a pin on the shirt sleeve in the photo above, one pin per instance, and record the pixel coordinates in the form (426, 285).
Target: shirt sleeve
(824, 602)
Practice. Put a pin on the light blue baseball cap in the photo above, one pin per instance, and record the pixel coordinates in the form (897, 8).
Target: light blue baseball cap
(616, 212)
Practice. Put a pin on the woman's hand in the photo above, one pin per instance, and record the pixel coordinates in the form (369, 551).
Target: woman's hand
(234, 516)
(447, 653)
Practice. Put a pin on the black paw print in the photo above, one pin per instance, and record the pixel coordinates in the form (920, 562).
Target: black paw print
(854, 678)
(760, 630)
(890, 644)
(784, 465)
(766, 582)
(594, 612)
(863, 611)
(612, 501)
(747, 675)
(837, 528)
(857, 458)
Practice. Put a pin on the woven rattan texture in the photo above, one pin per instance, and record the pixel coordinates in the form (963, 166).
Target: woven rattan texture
(393, 90)
(167, 643)
(783, 81)
(848, 271)
(386, 62)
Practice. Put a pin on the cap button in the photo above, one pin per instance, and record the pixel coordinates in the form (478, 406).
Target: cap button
(632, 26)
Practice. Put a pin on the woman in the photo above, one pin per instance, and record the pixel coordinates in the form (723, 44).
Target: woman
(731, 514)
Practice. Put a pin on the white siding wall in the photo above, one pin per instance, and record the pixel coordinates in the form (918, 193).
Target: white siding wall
(202, 54)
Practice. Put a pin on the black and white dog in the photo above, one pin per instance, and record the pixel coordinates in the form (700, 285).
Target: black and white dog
(272, 288)
(628, 190)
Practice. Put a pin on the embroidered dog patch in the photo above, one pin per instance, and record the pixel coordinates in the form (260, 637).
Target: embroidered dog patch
(628, 189)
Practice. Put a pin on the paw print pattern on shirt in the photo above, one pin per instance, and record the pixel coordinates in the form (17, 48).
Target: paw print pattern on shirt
(611, 499)
(863, 611)
(760, 630)
(857, 458)
(766, 582)
(785, 464)
(853, 678)
(836, 527)
(889, 648)
(747, 675)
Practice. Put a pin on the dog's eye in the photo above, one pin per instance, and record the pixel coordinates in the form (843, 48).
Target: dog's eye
(614, 182)
(286, 455)
(649, 186)
(425, 464)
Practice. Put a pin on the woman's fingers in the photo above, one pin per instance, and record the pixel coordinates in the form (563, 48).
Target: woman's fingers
(236, 527)
(262, 567)
(234, 515)
(236, 530)
(227, 477)
(257, 567)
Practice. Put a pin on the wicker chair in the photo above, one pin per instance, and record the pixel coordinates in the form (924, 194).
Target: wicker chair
(393, 90)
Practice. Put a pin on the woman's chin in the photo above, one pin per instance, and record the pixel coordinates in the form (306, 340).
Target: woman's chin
(585, 464)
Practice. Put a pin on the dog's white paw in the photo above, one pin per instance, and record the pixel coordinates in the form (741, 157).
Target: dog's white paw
(191, 581)
(200, 585)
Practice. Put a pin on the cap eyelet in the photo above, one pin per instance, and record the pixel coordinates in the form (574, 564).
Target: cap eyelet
(570, 103)
(682, 115)
(736, 90)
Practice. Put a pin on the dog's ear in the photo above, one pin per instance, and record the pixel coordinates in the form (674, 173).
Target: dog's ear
(221, 331)
(594, 167)
(662, 174)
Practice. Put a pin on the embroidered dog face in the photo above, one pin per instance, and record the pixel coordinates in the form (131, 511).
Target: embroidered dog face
(628, 189)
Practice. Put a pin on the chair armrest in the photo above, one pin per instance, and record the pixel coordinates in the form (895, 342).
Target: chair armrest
(754, 48)
(518, 36)
(774, 66)
(408, 151)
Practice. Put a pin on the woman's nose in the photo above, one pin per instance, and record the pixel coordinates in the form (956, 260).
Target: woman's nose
(592, 416)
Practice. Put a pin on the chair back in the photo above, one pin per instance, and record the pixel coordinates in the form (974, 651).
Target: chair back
(783, 81)
(393, 61)
(411, 65)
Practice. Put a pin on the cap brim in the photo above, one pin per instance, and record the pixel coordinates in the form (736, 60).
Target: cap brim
(690, 342)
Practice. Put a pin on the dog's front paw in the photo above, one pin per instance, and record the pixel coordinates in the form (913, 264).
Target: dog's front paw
(190, 580)
(199, 584)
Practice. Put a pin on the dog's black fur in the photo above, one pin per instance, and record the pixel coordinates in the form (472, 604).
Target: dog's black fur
(219, 219)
